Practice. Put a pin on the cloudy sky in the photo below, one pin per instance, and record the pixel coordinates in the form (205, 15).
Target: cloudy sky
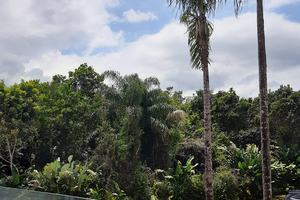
(41, 38)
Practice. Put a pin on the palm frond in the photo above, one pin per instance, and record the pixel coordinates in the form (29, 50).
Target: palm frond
(115, 77)
(134, 112)
(159, 127)
(160, 110)
(112, 94)
(151, 82)
(193, 30)
(197, 6)
(238, 6)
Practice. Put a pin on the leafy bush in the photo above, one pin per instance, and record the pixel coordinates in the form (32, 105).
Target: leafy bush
(199, 185)
(225, 184)
(175, 136)
(285, 168)
(11, 181)
(98, 193)
(140, 183)
(181, 183)
(285, 177)
(247, 162)
(290, 155)
(161, 190)
(245, 137)
(71, 178)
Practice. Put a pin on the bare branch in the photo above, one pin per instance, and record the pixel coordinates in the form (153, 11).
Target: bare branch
(4, 159)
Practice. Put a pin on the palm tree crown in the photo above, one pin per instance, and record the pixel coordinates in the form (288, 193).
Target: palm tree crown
(192, 21)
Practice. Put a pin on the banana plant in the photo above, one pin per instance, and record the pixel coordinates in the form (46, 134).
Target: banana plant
(247, 162)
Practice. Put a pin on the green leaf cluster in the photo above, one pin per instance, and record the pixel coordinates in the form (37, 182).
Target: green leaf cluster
(70, 178)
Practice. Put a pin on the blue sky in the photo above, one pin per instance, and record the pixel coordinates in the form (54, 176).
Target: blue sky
(40, 38)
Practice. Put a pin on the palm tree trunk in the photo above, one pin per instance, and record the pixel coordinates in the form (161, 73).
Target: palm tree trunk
(207, 121)
(264, 118)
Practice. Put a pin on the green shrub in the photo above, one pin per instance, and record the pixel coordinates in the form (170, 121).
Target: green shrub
(175, 136)
(71, 178)
(11, 181)
(199, 186)
(225, 184)
(286, 169)
(162, 190)
(181, 183)
(247, 162)
(140, 183)
(285, 177)
(100, 193)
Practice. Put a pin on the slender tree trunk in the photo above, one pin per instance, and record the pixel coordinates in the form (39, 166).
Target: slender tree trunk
(207, 121)
(11, 153)
(264, 118)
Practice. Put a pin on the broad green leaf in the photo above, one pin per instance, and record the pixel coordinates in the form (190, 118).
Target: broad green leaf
(70, 158)
(241, 166)
(16, 180)
(57, 165)
(65, 167)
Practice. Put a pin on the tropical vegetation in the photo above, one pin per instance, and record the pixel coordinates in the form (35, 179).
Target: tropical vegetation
(112, 136)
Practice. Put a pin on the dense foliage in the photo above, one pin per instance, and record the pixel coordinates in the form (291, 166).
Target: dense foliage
(129, 139)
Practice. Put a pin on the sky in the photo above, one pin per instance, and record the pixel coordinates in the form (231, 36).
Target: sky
(42, 38)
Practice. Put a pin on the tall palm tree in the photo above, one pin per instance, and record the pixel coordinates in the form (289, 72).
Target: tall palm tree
(141, 105)
(263, 97)
(193, 15)
(264, 118)
(126, 95)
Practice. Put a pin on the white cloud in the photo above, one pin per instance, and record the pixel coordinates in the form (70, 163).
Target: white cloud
(234, 52)
(105, 38)
(57, 24)
(32, 18)
(32, 28)
(277, 3)
(234, 45)
(164, 55)
(135, 17)
(54, 62)
(152, 55)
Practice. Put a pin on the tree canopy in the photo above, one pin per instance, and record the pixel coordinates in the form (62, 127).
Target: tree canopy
(120, 130)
